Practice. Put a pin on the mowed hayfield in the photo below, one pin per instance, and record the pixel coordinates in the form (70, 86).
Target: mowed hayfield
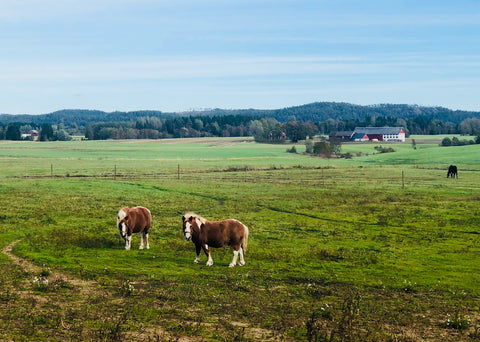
(380, 247)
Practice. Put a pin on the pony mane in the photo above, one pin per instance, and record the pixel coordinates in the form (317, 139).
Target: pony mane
(198, 217)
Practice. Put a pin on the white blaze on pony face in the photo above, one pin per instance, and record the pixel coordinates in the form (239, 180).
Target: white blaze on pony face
(122, 227)
(188, 226)
(121, 215)
(188, 231)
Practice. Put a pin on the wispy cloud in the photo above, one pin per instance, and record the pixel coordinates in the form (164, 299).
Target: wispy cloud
(174, 68)
(208, 67)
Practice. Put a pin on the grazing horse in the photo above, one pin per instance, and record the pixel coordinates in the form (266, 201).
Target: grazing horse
(452, 171)
(206, 234)
(134, 220)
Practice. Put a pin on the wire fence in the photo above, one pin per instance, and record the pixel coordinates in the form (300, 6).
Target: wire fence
(300, 176)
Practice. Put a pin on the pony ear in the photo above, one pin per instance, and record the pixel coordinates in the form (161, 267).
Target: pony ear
(183, 218)
(126, 218)
(202, 225)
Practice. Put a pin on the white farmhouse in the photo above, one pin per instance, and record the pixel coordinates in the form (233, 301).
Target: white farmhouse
(380, 133)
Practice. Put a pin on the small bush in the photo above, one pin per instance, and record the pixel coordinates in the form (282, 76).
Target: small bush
(457, 321)
(347, 155)
(322, 148)
(382, 149)
(292, 150)
(309, 146)
(446, 142)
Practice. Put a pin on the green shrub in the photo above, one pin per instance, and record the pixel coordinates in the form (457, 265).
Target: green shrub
(292, 150)
(322, 148)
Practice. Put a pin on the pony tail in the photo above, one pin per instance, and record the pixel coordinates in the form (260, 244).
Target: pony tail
(245, 239)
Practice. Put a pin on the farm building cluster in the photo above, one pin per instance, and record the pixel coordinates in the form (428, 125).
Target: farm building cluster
(371, 134)
(31, 135)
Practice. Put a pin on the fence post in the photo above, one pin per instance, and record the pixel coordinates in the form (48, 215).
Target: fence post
(403, 179)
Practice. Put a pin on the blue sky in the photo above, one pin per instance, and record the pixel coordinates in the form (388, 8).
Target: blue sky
(177, 55)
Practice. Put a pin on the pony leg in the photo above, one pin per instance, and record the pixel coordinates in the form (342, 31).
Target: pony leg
(128, 242)
(207, 252)
(242, 257)
(146, 241)
(141, 240)
(198, 249)
(234, 261)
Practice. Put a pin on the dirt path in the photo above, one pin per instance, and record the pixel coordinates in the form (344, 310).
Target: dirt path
(85, 287)
(86, 290)
(89, 289)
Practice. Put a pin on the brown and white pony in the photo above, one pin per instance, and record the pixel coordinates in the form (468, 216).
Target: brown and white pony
(134, 220)
(206, 234)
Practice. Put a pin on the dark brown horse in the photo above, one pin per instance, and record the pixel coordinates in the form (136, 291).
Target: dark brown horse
(206, 234)
(452, 171)
(134, 220)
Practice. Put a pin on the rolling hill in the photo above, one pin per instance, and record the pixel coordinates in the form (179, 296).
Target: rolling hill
(315, 112)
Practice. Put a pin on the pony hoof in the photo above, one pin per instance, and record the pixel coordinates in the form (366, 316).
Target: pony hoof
(209, 263)
(231, 265)
(241, 263)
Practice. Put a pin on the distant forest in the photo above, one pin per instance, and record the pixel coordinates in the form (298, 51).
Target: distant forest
(293, 123)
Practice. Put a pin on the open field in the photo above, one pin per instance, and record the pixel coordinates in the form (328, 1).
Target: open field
(381, 247)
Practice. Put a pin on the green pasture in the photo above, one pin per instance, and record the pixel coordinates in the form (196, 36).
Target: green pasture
(379, 247)
(141, 157)
(157, 157)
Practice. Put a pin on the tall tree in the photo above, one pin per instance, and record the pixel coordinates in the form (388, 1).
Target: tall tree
(46, 132)
(13, 132)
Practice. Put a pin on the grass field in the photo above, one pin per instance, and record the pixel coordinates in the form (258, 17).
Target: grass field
(381, 247)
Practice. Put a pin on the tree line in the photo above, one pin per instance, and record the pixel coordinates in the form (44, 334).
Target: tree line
(264, 129)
